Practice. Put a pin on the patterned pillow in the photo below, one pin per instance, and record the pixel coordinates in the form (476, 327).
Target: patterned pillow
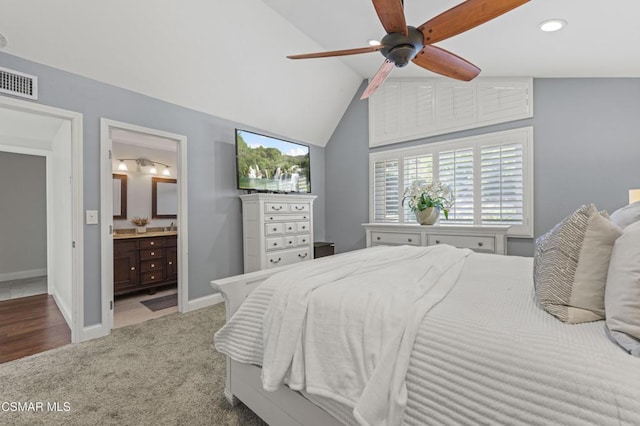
(567, 288)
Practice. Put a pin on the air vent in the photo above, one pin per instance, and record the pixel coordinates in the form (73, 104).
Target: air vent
(18, 84)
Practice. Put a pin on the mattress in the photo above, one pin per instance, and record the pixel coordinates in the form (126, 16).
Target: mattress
(488, 354)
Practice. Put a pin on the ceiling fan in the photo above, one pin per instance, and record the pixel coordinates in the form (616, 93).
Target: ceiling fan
(405, 43)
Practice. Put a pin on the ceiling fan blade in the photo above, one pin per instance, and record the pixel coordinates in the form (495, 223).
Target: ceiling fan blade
(378, 79)
(391, 14)
(465, 16)
(337, 53)
(445, 63)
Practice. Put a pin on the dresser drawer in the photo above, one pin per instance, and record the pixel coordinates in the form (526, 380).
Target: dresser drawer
(151, 265)
(152, 277)
(393, 238)
(151, 242)
(274, 243)
(486, 244)
(285, 217)
(276, 208)
(273, 228)
(302, 227)
(299, 208)
(288, 257)
(124, 246)
(147, 254)
(302, 240)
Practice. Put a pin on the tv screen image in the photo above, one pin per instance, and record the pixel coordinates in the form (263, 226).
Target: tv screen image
(270, 164)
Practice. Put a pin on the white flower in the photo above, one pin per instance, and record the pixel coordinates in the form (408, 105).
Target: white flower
(421, 195)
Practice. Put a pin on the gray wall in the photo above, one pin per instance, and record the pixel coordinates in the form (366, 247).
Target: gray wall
(23, 218)
(215, 223)
(586, 149)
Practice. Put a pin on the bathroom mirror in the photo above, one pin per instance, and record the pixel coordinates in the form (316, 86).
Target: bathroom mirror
(164, 198)
(119, 196)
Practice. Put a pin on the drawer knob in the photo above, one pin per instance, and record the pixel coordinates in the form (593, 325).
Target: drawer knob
(153, 277)
(275, 261)
(302, 256)
(152, 242)
(133, 268)
(304, 217)
(437, 241)
(153, 253)
(410, 240)
(271, 218)
(378, 238)
(276, 208)
(275, 229)
(304, 241)
(299, 208)
(304, 227)
(290, 228)
(480, 244)
(153, 265)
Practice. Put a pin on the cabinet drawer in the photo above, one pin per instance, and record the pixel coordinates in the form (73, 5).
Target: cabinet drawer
(287, 257)
(151, 242)
(392, 238)
(151, 254)
(274, 243)
(302, 227)
(152, 277)
(276, 208)
(299, 208)
(151, 265)
(285, 217)
(302, 240)
(462, 241)
(123, 246)
(273, 228)
(290, 227)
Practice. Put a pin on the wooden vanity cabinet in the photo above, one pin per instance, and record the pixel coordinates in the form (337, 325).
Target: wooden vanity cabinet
(143, 263)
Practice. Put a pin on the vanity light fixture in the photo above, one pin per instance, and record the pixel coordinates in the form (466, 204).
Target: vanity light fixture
(552, 25)
(144, 162)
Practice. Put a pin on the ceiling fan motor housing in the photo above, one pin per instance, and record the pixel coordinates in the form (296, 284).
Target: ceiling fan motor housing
(400, 49)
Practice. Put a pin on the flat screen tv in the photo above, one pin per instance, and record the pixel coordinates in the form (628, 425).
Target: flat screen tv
(267, 164)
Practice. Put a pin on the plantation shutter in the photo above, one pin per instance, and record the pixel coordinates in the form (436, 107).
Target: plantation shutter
(417, 167)
(502, 187)
(386, 191)
(456, 170)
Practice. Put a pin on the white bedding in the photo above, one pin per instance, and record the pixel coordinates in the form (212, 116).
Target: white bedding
(488, 355)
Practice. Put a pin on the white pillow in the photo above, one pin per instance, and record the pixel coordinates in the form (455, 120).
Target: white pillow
(626, 215)
(622, 293)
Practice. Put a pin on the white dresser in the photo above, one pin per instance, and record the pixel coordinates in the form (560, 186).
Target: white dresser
(483, 239)
(277, 229)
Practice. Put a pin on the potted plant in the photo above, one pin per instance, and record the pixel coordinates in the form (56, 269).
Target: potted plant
(141, 224)
(426, 200)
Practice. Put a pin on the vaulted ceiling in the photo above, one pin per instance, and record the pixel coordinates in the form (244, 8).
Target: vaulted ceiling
(227, 58)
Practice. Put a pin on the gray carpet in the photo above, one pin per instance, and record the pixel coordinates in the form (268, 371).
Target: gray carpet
(162, 372)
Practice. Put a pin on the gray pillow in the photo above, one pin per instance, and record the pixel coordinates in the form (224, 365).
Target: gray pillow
(622, 294)
(626, 215)
(571, 264)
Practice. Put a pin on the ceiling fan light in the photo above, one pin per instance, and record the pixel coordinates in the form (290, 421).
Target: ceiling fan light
(373, 42)
(552, 25)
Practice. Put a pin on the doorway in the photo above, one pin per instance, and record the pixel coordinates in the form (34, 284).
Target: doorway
(54, 136)
(143, 179)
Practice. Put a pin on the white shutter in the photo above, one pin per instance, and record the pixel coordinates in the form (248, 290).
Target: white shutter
(502, 188)
(386, 195)
(456, 170)
(416, 167)
(455, 104)
(503, 98)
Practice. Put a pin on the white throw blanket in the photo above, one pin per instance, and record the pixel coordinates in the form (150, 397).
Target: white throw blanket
(346, 333)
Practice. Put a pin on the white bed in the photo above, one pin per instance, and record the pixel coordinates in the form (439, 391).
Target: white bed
(485, 354)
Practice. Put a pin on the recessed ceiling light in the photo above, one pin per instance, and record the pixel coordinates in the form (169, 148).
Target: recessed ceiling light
(552, 25)
(373, 42)
(3, 41)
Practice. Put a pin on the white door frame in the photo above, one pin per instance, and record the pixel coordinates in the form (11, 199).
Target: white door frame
(106, 201)
(76, 310)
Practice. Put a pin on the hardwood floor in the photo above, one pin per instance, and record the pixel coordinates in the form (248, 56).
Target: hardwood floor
(30, 325)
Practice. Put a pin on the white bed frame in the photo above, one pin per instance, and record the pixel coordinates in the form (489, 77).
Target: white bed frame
(284, 407)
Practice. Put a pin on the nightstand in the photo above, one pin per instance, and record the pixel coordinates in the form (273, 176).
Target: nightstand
(322, 249)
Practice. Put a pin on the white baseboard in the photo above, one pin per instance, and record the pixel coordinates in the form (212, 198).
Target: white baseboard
(93, 332)
(64, 309)
(203, 302)
(20, 275)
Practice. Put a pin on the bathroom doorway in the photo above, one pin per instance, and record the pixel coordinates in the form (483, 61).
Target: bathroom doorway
(144, 238)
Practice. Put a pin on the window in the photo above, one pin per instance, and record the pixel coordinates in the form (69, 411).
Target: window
(491, 176)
